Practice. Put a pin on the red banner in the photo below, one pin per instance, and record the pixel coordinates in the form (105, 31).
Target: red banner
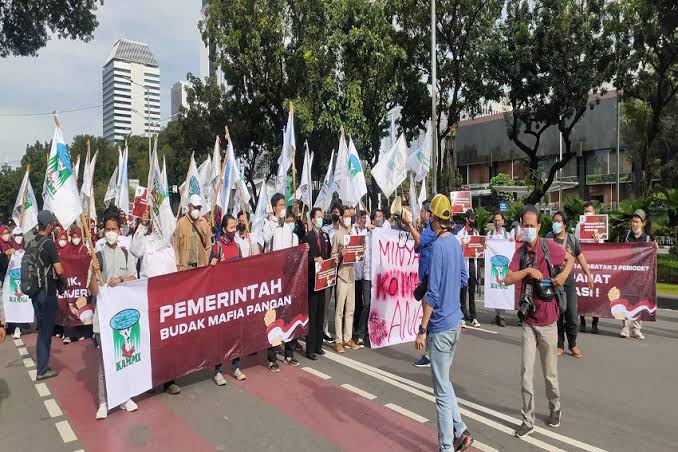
(589, 225)
(75, 308)
(355, 248)
(202, 317)
(624, 281)
(325, 274)
(461, 201)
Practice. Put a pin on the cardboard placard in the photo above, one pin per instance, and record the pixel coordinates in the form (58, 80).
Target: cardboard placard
(473, 246)
(461, 201)
(589, 224)
(325, 274)
(355, 248)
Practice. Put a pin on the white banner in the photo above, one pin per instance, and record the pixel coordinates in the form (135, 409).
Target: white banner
(498, 255)
(18, 307)
(125, 340)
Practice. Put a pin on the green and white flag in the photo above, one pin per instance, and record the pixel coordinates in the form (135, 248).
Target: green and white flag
(162, 219)
(305, 189)
(357, 188)
(60, 192)
(390, 171)
(18, 307)
(122, 198)
(419, 161)
(30, 206)
(324, 198)
(86, 191)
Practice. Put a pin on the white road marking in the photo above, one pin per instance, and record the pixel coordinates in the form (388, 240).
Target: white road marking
(317, 373)
(409, 385)
(80, 450)
(22, 351)
(42, 389)
(52, 408)
(32, 374)
(405, 412)
(18, 342)
(359, 391)
(66, 432)
(28, 362)
(470, 328)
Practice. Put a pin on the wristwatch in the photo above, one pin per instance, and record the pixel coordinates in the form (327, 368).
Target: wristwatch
(422, 330)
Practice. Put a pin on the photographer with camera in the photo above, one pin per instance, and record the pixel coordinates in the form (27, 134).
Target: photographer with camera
(542, 267)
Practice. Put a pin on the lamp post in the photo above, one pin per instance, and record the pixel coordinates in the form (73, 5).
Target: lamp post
(434, 95)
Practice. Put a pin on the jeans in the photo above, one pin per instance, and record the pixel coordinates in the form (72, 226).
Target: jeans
(271, 353)
(441, 347)
(567, 323)
(46, 314)
(235, 365)
(365, 312)
(470, 313)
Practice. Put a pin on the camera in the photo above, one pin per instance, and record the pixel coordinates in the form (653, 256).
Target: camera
(526, 306)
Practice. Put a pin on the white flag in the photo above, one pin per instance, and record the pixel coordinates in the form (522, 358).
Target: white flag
(122, 198)
(324, 199)
(112, 189)
(162, 219)
(260, 214)
(191, 186)
(412, 201)
(216, 165)
(205, 176)
(419, 161)
(305, 189)
(27, 219)
(340, 171)
(17, 306)
(86, 191)
(422, 193)
(356, 176)
(76, 169)
(60, 191)
(390, 171)
(164, 175)
(498, 256)
(286, 155)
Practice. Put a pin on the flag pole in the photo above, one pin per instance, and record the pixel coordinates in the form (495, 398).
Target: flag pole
(23, 197)
(221, 177)
(88, 162)
(294, 166)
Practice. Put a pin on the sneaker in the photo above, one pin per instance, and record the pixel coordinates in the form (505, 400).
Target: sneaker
(219, 379)
(48, 374)
(312, 356)
(17, 333)
(273, 367)
(523, 430)
(361, 343)
(463, 323)
(352, 345)
(463, 442)
(339, 347)
(102, 412)
(554, 419)
(637, 335)
(291, 361)
(67, 340)
(297, 346)
(239, 375)
(500, 321)
(624, 332)
(582, 327)
(327, 338)
(320, 352)
(475, 323)
(129, 406)
(594, 329)
(423, 362)
(173, 389)
(520, 322)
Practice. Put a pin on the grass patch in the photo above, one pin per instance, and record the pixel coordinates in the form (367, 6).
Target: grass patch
(667, 289)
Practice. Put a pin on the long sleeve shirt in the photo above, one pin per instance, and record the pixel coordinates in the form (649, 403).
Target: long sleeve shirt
(447, 274)
(154, 261)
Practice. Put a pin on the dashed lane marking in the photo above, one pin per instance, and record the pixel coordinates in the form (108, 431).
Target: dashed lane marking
(18, 342)
(317, 373)
(42, 389)
(406, 412)
(359, 391)
(52, 408)
(22, 351)
(28, 362)
(32, 373)
(66, 432)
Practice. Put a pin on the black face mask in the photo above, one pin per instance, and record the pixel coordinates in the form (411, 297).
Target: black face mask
(335, 218)
(241, 227)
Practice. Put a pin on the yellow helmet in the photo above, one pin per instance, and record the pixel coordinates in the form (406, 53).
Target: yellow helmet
(441, 207)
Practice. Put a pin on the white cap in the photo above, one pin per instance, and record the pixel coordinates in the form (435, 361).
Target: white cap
(195, 201)
(17, 231)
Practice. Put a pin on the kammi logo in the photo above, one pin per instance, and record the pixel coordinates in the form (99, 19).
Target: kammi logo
(500, 265)
(15, 294)
(59, 169)
(126, 338)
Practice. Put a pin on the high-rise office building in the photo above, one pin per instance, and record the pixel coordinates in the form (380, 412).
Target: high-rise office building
(178, 97)
(131, 91)
(208, 63)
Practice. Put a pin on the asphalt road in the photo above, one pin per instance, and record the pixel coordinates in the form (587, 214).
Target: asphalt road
(620, 397)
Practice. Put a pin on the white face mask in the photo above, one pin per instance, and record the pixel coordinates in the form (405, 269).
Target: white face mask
(111, 237)
(281, 214)
(18, 239)
(347, 222)
(63, 243)
(290, 226)
(76, 241)
(195, 214)
(637, 230)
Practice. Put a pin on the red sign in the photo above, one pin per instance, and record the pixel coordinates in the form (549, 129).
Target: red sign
(75, 308)
(205, 316)
(461, 201)
(355, 248)
(624, 281)
(140, 202)
(589, 225)
(473, 246)
(325, 274)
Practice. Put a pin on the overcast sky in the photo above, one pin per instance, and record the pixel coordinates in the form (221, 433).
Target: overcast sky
(67, 74)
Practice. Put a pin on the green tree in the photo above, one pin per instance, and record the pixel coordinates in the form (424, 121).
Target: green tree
(549, 56)
(26, 25)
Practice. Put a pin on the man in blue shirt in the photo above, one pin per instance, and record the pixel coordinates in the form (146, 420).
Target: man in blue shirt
(440, 328)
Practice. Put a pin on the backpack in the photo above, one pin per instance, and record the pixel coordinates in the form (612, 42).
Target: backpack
(33, 269)
(525, 262)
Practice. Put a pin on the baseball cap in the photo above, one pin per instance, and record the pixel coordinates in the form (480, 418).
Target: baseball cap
(640, 213)
(441, 207)
(46, 217)
(470, 213)
(195, 201)
(426, 205)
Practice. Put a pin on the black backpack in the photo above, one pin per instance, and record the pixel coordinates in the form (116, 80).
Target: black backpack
(33, 269)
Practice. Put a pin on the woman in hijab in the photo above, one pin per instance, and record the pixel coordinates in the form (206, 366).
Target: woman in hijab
(17, 241)
(9, 247)
(62, 242)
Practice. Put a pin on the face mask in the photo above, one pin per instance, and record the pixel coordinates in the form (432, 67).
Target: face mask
(18, 239)
(290, 226)
(319, 223)
(63, 243)
(352, 220)
(281, 214)
(241, 228)
(557, 227)
(5, 237)
(530, 234)
(379, 222)
(335, 218)
(587, 214)
(111, 237)
(472, 223)
(347, 222)
(637, 230)
(76, 241)
(229, 235)
(195, 214)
